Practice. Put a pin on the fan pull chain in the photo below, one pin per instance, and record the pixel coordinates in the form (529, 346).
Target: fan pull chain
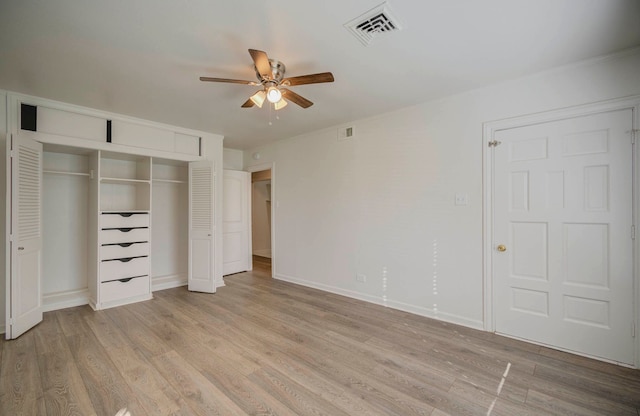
(271, 109)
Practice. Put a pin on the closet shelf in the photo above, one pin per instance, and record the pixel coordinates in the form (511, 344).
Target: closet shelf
(60, 172)
(168, 181)
(127, 211)
(123, 181)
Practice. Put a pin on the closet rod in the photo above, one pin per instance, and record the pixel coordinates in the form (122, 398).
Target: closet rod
(168, 180)
(60, 172)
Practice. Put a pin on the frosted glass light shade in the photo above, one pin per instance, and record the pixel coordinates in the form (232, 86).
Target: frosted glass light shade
(280, 104)
(258, 98)
(273, 95)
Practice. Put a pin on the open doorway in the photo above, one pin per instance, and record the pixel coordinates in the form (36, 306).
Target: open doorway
(261, 226)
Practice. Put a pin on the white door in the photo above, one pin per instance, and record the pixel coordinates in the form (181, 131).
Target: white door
(236, 244)
(201, 227)
(24, 294)
(563, 214)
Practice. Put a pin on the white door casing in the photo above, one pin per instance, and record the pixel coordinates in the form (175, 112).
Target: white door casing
(563, 208)
(24, 295)
(236, 246)
(201, 274)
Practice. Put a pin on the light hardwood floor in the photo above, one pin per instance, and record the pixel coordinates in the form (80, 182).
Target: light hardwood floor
(260, 346)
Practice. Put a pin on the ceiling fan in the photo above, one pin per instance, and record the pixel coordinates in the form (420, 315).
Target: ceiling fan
(270, 73)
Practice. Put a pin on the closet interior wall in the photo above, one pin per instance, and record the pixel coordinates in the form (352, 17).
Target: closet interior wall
(65, 222)
(169, 224)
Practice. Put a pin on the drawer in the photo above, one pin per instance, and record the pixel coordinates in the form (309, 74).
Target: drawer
(122, 250)
(116, 290)
(124, 235)
(124, 220)
(116, 269)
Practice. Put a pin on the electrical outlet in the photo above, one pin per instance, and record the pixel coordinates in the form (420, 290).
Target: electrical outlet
(361, 278)
(462, 199)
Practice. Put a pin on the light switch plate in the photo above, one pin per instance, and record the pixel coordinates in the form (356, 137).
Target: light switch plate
(462, 199)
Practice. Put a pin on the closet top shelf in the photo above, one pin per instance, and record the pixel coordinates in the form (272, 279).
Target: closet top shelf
(168, 180)
(128, 211)
(62, 172)
(123, 180)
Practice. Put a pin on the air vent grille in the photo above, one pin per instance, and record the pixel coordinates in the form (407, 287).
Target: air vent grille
(374, 22)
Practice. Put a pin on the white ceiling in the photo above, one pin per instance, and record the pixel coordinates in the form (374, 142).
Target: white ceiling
(143, 57)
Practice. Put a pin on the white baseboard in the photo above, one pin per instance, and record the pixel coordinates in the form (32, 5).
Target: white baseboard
(414, 309)
(263, 252)
(168, 282)
(174, 280)
(66, 299)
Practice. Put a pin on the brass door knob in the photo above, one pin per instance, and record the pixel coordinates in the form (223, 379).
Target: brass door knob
(502, 248)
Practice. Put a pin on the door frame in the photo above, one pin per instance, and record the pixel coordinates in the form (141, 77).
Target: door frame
(274, 206)
(489, 130)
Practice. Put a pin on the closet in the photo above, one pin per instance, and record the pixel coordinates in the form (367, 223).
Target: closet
(106, 221)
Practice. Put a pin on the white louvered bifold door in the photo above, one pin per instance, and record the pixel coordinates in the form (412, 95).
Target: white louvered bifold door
(26, 245)
(201, 227)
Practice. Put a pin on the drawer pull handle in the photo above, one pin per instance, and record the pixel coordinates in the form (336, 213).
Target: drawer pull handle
(125, 280)
(126, 214)
(127, 260)
(125, 230)
(125, 244)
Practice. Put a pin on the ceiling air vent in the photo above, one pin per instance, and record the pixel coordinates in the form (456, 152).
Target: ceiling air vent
(374, 22)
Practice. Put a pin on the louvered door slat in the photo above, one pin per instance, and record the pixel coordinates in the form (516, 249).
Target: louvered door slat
(29, 183)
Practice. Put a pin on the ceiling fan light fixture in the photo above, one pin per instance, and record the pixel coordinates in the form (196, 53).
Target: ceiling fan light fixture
(258, 98)
(273, 95)
(280, 104)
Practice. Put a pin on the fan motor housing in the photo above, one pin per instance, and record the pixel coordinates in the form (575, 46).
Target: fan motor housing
(277, 70)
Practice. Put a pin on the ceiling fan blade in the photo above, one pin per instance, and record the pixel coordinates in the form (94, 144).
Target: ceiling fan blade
(261, 60)
(248, 104)
(233, 81)
(293, 97)
(309, 79)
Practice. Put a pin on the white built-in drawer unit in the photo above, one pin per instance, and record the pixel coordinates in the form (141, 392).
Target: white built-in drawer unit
(124, 250)
(124, 235)
(124, 255)
(123, 268)
(122, 289)
(124, 220)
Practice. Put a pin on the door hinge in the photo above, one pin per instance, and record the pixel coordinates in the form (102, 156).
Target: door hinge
(494, 143)
(634, 135)
(633, 232)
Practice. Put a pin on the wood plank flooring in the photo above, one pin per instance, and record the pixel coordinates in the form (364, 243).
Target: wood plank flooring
(264, 347)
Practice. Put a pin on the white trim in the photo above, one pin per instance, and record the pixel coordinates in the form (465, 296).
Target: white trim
(66, 299)
(58, 105)
(489, 130)
(8, 218)
(389, 303)
(274, 208)
(168, 281)
(263, 252)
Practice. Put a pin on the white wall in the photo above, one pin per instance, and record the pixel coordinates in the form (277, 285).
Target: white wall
(261, 218)
(169, 234)
(65, 221)
(382, 203)
(232, 159)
